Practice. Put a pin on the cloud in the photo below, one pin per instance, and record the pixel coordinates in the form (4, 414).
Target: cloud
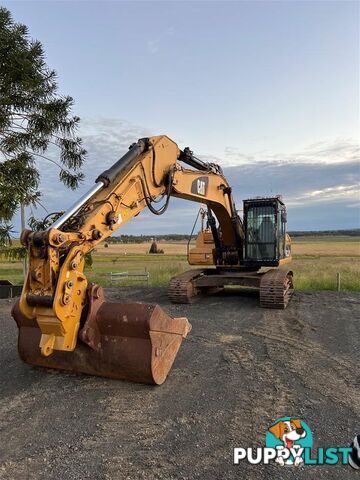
(340, 150)
(153, 44)
(106, 140)
(296, 180)
(334, 193)
(319, 183)
(318, 195)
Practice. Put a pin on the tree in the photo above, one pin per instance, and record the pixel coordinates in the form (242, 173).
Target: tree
(35, 122)
(154, 248)
(5, 235)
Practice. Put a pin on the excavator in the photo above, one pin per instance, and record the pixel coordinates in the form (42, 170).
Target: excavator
(65, 323)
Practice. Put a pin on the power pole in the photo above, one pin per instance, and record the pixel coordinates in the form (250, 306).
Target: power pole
(22, 220)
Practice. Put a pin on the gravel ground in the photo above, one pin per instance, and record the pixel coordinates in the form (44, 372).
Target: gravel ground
(239, 370)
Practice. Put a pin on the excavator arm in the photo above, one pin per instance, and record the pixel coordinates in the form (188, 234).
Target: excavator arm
(56, 296)
(55, 289)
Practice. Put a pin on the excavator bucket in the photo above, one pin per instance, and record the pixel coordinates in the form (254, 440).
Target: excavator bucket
(135, 342)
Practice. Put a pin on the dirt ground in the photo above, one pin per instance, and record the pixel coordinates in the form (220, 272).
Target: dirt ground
(239, 370)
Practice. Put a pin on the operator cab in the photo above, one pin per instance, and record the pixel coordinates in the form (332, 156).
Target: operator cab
(266, 240)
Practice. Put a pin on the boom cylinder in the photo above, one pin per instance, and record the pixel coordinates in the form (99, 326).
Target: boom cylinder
(104, 180)
(108, 176)
(77, 205)
(188, 157)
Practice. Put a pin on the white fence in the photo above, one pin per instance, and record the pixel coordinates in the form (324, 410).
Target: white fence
(132, 276)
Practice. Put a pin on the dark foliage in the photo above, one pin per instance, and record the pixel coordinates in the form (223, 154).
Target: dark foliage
(35, 122)
(354, 232)
(146, 238)
(174, 237)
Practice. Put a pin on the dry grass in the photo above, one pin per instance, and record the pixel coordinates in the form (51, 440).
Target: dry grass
(176, 248)
(315, 263)
(299, 247)
(342, 249)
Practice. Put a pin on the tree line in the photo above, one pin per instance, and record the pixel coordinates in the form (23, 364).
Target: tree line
(174, 237)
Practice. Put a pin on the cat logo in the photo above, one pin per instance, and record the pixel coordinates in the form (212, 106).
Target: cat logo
(199, 186)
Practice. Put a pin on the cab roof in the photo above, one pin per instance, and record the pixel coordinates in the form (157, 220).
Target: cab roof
(263, 200)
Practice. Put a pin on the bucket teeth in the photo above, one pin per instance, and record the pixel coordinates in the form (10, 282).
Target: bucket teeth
(135, 342)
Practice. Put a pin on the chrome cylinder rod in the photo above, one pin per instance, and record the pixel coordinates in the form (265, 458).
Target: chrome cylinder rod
(74, 208)
(106, 178)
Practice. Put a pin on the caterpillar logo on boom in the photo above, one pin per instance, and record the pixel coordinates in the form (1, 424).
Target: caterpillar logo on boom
(200, 186)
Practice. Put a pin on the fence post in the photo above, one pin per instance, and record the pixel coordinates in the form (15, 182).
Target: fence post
(338, 281)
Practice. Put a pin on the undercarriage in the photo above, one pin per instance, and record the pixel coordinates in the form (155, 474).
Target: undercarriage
(275, 286)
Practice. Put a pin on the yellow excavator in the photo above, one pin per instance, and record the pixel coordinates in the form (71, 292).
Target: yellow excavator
(65, 323)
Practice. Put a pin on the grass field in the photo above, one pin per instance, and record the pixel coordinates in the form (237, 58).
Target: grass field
(316, 262)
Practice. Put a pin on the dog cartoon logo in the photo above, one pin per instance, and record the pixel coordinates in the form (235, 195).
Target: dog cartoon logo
(289, 436)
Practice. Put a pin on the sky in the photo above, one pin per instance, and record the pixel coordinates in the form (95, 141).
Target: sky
(269, 90)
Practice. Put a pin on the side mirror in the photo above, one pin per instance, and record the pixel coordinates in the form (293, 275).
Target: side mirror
(283, 217)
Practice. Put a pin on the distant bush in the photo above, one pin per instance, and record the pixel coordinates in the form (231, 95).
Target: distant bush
(154, 248)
